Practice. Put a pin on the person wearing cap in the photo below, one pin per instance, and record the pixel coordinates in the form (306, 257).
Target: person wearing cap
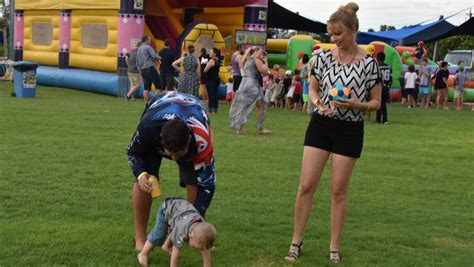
(420, 51)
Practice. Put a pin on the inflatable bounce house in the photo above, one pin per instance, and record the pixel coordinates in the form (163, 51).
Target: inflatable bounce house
(285, 52)
(83, 44)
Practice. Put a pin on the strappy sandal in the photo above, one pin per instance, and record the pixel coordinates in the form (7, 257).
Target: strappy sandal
(294, 251)
(334, 257)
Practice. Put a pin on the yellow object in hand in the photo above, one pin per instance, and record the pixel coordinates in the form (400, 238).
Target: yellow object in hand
(156, 191)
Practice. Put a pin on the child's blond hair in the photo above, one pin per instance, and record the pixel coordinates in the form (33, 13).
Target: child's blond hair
(205, 235)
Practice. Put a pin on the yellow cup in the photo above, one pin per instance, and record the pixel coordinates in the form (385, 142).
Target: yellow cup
(156, 191)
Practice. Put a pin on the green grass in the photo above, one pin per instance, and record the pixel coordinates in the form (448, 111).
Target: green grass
(65, 187)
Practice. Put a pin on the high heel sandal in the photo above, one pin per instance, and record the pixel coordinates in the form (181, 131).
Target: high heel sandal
(294, 251)
(334, 257)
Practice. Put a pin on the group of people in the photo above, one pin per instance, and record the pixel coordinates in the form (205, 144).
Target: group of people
(194, 72)
(176, 126)
(416, 85)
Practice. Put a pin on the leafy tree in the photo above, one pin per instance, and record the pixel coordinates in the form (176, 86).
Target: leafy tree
(458, 42)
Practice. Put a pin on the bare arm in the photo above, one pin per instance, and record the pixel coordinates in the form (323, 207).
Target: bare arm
(261, 66)
(177, 63)
(174, 257)
(209, 65)
(206, 258)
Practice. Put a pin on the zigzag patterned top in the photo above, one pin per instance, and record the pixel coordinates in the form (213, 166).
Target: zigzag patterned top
(359, 77)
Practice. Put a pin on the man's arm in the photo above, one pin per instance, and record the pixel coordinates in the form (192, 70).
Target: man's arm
(206, 258)
(174, 257)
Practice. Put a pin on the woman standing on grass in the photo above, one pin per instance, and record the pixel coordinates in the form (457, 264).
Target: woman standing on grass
(212, 79)
(250, 92)
(337, 128)
(189, 81)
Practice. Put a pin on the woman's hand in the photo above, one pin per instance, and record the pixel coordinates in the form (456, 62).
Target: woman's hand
(352, 102)
(326, 110)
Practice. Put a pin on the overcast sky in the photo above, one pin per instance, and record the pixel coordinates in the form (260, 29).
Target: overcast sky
(374, 13)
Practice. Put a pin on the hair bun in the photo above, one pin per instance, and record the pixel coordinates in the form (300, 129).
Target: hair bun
(352, 8)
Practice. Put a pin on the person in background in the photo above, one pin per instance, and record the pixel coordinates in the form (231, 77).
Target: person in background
(147, 59)
(166, 69)
(425, 83)
(250, 93)
(410, 83)
(230, 90)
(203, 59)
(304, 74)
(134, 75)
(459, 79)
(189, 80)
(316, 50)
(420, 51)
(441, 85)
(235, 59)
(386, 76)
(212, 79)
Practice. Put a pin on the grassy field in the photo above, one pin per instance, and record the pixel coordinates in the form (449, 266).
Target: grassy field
(65, 187)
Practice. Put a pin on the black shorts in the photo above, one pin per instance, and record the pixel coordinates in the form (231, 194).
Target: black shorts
(167, 82)
(150, 75)
(410, 91)
(296, 98)
(336, 136)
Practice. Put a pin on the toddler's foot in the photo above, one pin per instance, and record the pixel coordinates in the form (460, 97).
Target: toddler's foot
(143, 260)
(264, 131)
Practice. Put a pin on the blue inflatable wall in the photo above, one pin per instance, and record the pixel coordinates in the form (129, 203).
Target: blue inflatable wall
(87, 80)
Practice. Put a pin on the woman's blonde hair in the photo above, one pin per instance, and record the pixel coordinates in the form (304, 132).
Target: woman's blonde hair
(347, 16)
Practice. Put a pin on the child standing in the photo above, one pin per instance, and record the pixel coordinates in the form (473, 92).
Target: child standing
(410, 80)
(187, 225)
(459, 79)
(230, 91)
(297, 92)
(425, 83)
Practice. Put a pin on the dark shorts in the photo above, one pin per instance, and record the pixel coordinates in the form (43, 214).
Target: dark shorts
(150, 76)
(296, 98)
(336, 136)
(167, 82)
(203, 199)
(410, 91)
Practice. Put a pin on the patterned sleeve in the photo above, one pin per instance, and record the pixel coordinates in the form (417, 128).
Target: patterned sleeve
(372, 74)
(317, 68)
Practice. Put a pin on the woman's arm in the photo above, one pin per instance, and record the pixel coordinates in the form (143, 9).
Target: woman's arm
(209, 64)
(177, 63)
(317, 101)
(262, 66)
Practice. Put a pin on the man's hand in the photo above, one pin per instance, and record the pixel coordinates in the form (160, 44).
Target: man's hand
(143, 183)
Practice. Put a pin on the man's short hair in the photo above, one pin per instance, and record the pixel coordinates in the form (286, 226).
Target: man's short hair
(175, 135)
(167, 42)
(145, 38)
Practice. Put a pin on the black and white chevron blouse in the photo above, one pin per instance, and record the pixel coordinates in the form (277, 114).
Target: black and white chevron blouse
(359, 77)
